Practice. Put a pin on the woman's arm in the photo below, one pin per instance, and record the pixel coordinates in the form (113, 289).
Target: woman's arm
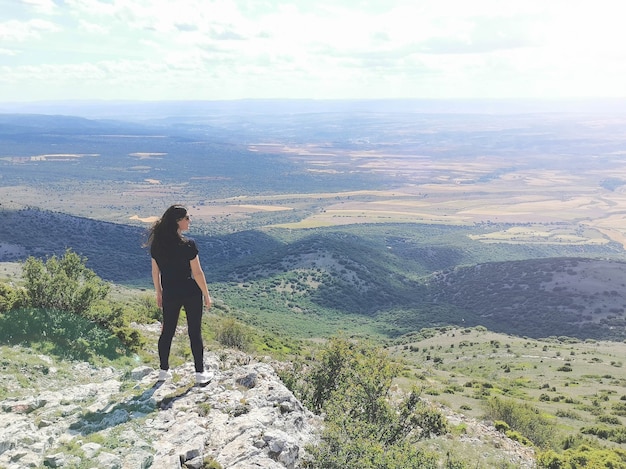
(156, 279)
(198, 276)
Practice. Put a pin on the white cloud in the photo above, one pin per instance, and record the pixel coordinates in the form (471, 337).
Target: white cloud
(20, 31)
(8, 52)
(42, 6)
(92, 28)
(212, 49)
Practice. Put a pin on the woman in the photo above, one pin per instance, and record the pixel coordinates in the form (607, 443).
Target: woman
(179, 281)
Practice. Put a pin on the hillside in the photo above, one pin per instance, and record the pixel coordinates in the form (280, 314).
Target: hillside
(386, 281)
(74, 414)
(113, 250)
(574, 297)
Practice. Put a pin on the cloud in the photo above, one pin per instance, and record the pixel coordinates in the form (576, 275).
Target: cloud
(186, 27)
(21, 31)
(484, 35)
(92, 28)
(226, 35)
(42, 6)
(352, 48)
(8, 52)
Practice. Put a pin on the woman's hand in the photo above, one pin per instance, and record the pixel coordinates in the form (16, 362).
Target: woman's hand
(156, 279)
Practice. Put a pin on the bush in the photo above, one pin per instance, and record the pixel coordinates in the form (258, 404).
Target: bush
(210, 463)
(619, 408)
(610, 419)
(350, 383)
(501, 426)
(11, 298)
(64, 284)
(65, 334)
(232, 333)
(516, 436)
(617, 435)
(522, 418)
(583, 457)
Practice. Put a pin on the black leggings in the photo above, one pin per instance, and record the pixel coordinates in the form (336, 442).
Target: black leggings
(171, 312)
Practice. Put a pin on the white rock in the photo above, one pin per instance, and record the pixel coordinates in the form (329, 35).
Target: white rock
(241, 423)
(91, 449)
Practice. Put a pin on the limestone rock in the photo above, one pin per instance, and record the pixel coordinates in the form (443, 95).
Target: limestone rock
(244, 418)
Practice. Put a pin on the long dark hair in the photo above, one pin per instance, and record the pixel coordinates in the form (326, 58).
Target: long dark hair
(164, 234)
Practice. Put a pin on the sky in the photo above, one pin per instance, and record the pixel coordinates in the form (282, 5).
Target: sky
(156, 50)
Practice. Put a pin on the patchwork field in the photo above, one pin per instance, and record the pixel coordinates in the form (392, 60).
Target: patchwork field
(561, 174)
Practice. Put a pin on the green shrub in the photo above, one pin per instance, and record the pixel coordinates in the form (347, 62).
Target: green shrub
(115, 317)
(619, 408)
(568, 414)
(350, 383)
(64, 284)
(232, 333)
(522, 418)
(616, 435)
(64, 334)
(210, 463)
(204, 408)
(501, 426)
(516, 436)
(583, 457)
(68, 310)
(11, 298)
(610, 419)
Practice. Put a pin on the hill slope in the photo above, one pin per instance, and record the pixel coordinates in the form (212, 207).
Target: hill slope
(574, 297)
(383, 280)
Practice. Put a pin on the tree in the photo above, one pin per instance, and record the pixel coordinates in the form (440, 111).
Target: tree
(64, 283)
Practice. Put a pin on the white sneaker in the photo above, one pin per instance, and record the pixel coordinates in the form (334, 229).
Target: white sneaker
(164, 375)
(204, 377)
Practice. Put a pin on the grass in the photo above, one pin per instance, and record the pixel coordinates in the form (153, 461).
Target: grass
(461, 367)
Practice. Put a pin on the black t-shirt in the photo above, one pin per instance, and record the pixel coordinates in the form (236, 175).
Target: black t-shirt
(176, 279)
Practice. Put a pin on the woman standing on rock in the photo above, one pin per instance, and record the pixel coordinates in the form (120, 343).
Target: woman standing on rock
(179, 281)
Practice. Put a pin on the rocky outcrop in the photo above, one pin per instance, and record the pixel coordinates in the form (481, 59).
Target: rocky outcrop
(244, 418)
(71, 415)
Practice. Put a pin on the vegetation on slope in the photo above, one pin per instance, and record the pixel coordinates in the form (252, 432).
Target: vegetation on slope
(64, 303)
(350, 384)
(560, 394)
(355, 385)
(381, 280)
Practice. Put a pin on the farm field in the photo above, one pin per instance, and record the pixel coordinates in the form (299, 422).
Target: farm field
(560, 176)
